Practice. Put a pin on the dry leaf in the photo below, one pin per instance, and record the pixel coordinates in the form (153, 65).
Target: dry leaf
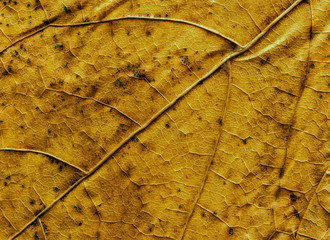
(164, 119)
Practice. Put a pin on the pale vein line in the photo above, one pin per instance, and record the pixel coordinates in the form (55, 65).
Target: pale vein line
(216, 67)
(314, 195)
(212, 157)
(301, 90)
(149, 18)
(95, 100)
(42, 229)
(6, 36)
(118, 19)
(43, 153)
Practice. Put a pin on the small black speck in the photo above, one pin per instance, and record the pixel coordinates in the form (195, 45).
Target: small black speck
(180, 206)
(148, 32)
(77, 208)
(312, 65)
(215, 213)
(231, 231)
(321, 96)
(179, 190)
(56, 188)
(28, 5)
(8, 177)
(48, 131)
(167, 125)
(60, 46)
(22, 127)
(244, 141)
(5, 183)
(150, 229)
(203, 214)
(220, 122)
(60, 168)
(79, 224)
(293, 197)
(36, 236)
(66, 9)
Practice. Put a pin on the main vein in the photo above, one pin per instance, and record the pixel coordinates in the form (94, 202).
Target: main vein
(154, 117)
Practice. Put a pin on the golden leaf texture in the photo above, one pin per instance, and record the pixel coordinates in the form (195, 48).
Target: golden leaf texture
(165, 119)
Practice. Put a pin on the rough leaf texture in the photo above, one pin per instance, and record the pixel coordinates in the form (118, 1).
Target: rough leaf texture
(165, 119)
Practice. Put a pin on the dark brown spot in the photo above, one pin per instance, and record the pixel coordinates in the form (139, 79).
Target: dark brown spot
(293, 197)
(66, 9)
(78, 209)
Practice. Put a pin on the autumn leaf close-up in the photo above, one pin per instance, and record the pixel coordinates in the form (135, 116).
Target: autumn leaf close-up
(165, 119)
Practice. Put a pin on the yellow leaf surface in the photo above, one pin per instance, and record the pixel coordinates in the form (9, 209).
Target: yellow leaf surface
(164, 119)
